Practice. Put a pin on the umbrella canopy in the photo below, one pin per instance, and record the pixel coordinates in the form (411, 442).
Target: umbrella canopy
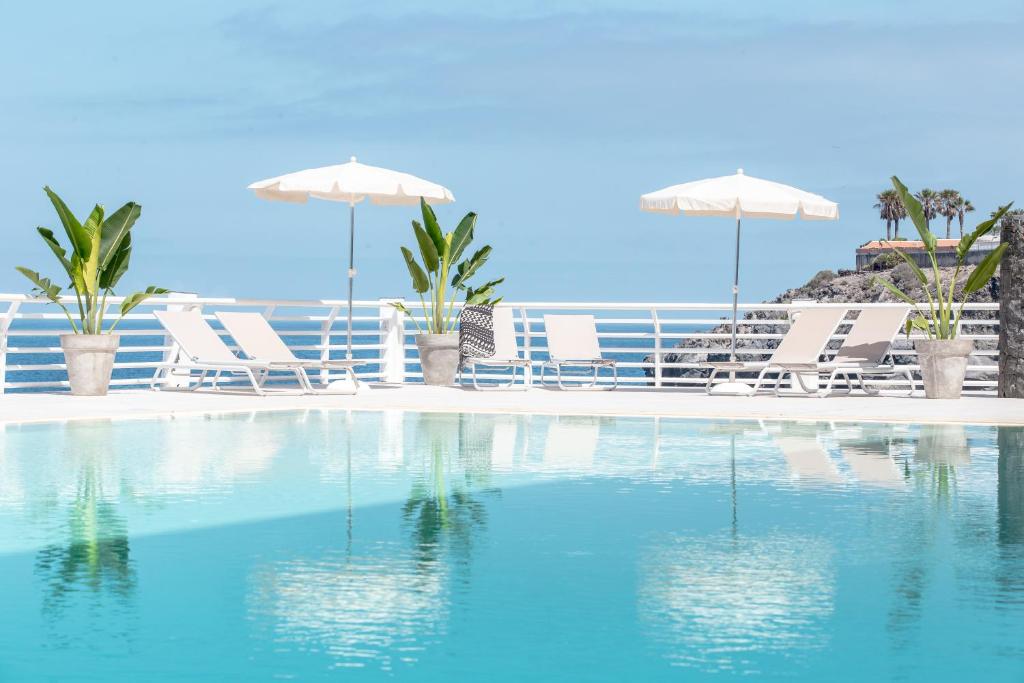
(351, 183)
(737, 196)
(740, 195)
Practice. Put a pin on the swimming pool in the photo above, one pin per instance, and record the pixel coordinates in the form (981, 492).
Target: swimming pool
(428, 546)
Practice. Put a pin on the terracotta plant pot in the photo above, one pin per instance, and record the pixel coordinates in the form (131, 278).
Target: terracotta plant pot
(90, 361)
(943, 365)
(439, 358)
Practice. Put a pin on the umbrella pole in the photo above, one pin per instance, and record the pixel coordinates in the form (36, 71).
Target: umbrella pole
(351, 269)
(735, 292)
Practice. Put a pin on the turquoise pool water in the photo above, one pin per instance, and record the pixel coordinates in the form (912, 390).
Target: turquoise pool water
(440, 547)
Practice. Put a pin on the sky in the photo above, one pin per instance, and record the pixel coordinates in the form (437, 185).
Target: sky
(547, 119)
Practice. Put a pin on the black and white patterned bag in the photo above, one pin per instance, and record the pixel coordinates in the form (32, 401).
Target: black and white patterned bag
(476, 332)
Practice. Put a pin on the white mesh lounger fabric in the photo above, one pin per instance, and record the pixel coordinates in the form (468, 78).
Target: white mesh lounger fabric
(506, 353)
(801, 346)
(572, 342)
(261, 343)
(202, 349)
(864, 352)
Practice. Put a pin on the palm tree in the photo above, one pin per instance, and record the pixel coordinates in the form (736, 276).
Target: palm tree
(888, 201)
(963, 208)
(901, 213)
(929, 203)
(948, 206)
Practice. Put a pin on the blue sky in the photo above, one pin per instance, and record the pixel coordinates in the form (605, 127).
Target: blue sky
(547, 119)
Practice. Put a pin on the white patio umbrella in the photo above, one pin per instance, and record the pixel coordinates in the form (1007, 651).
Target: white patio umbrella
(739, 196)
(351, 183)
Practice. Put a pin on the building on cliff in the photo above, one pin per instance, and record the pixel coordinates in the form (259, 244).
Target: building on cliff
(945, 251)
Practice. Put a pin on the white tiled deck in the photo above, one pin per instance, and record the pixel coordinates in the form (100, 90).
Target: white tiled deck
(16, 408)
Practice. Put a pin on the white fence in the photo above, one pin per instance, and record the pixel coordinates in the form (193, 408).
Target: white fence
(642, 336)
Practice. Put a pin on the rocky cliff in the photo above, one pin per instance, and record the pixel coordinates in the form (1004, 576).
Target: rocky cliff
(846, 286)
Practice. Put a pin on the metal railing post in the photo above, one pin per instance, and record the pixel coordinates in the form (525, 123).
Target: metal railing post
(392, 342)
(5, 323)
(657, 347)
(325, 343)
(528, 377)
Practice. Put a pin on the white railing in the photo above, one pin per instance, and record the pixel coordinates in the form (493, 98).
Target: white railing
(642, 336)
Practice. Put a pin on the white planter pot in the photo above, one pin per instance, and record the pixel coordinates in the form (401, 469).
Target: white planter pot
(90, 361)
(439, 358)
(943, 365)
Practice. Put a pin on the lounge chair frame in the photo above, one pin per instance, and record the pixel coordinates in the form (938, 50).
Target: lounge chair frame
(255, 372)
(818, 319)
(592, 385)
(272, 344)
(851, 361)
(507, 356)
(573, 343)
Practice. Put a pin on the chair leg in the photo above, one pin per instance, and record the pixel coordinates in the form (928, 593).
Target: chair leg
(303, 379)
(760, 380)
(257, 387)
(829, 384)
(711, 381)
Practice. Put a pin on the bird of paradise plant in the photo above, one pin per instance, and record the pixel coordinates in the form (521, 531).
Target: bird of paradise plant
(100, 250)
(440, 252)
(943, 320)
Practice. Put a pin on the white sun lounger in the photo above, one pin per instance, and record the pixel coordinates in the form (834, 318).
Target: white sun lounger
(261, 343)
(572, 342)
(863, 354)
(802, 345)
(202, 349)
(506, 353)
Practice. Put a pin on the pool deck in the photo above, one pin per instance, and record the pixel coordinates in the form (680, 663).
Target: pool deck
(982, 410)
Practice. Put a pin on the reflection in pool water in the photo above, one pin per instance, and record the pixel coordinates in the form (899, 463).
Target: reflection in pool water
(440, 546)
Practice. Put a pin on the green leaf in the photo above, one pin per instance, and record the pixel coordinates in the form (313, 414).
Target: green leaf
(432, 227)
(917, 322)
(463, 235)
(916, 214)
(91, 266)
(420, 283)
(968, 240)
(114, 229)
(483, 294)
(469, 267)
(94, 222)
(43, 285)
(77, 278)
(111, 274)
(895, 290)
(984, 271)
(58, 251)
(427, 249)
(79, 238)
(401, 307)
(137, 298)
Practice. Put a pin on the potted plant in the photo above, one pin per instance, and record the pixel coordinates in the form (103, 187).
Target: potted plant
(943, 355)
(100, 250)
(441, 254)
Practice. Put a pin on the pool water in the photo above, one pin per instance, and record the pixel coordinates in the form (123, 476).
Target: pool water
(368, 546)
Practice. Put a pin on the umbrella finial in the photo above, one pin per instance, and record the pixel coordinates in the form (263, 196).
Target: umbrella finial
(352, 159)
(739, 171)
